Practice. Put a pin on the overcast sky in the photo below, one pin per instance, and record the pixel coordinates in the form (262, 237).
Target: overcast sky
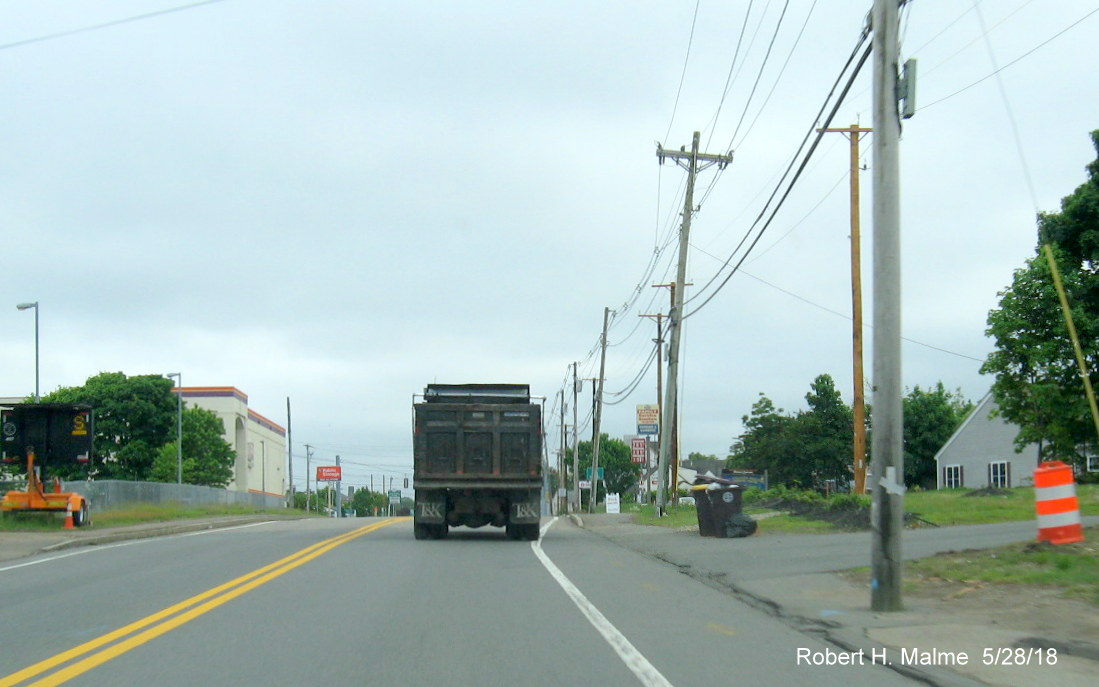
(339, 202)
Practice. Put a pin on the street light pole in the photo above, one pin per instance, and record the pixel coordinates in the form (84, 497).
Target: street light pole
(28, 306)
(179, 425)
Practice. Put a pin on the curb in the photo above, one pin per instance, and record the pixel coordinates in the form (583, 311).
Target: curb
(181, 527)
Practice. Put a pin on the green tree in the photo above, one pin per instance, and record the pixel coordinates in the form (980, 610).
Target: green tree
(827, 433)
(803, 450)
(621, 474)
(768, 443)
(208, 458)
(363, 501)
(930, 418)
(134, 418)
(1037, 384)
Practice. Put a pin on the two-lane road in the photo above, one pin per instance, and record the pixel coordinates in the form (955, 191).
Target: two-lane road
(360, 602)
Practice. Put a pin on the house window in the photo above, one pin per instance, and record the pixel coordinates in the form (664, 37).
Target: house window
(1093, 463)
(952, 476)
(999, 474)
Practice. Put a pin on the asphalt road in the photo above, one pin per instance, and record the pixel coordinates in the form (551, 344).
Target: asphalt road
(360, 602)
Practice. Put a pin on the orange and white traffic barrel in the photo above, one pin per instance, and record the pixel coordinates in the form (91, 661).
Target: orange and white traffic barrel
(1056, 503)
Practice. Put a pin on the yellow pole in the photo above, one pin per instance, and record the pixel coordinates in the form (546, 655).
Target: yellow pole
(1072, 334)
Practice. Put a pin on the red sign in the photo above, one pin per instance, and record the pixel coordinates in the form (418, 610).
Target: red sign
(640, 447)
(328, 473)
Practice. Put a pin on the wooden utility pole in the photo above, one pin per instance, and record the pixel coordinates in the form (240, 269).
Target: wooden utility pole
(690, 162)
(659, 341)
(859, 403)
(598, 412)
(575, 442)
(887, 442)
(560, 500)
(673, 428)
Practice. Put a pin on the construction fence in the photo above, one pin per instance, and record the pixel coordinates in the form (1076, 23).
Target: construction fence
(106, 495)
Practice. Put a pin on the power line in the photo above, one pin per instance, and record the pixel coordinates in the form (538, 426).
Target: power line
(683, 75)
(1009, 64)
(105, 25)
(797, 175)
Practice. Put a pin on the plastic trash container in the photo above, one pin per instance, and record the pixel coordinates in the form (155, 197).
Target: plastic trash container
(704, 510)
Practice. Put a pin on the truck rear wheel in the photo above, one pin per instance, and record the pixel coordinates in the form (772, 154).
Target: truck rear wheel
(529, 532)
(441, 531)
(420, 531)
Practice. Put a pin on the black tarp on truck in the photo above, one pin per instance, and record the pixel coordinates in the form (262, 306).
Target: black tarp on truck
(477, 451)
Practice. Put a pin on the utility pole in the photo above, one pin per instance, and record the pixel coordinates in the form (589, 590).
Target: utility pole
(575, 442)
(859, 403)
(598, 412)
(308, 458)
(560, 500)
(887, 442)
(339, 493)
(659, 341)
(290, 450)
(689, 161)
(673, 455)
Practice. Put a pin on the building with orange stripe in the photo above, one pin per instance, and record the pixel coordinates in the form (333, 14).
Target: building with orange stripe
(260, 444)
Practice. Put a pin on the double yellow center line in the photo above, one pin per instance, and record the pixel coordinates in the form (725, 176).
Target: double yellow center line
(183, 612)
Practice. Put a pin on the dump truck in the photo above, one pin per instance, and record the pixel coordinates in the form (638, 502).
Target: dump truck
(477, 453)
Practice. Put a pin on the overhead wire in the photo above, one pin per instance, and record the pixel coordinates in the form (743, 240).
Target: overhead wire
(683, 74)
(105, 25)
(763, 212)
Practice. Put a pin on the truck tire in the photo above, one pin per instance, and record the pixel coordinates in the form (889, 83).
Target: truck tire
(420, 531)
(529, 532)
(440, 531)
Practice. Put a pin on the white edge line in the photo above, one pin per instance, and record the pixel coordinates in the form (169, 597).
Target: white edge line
(637, 663)
(104, 547)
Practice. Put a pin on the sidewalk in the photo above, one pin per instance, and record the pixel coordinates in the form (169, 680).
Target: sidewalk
(794, 578)
(21, 544)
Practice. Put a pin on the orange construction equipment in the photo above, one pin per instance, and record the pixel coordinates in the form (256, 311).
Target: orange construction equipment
(35, 498)
(1056, 503)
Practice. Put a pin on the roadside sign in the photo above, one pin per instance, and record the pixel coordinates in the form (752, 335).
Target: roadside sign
(614, 503)
(394, 498)
(602, 473)
(648, 419)
(640, 450)
(329, 473)
(585, 484)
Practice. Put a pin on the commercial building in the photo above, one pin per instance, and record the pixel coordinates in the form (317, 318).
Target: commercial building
(260, 444)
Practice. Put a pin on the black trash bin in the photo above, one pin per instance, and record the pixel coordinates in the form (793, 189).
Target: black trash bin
(704, 510)
(720, 506)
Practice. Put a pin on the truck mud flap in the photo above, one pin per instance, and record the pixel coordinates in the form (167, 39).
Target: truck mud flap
(430, 510)
(526, 512)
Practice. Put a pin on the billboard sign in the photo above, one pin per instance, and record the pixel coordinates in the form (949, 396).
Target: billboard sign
(648, 419)
(640, 450)
(329, 473)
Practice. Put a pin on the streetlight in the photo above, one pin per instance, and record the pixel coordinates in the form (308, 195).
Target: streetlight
(28, 306)
(179, 424)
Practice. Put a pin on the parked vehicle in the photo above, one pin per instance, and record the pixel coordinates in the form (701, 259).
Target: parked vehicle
(477, 452)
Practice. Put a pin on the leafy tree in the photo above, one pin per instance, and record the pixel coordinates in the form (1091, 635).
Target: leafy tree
(1037, 383)
(134, 417)
(827, 431)
(803, 450)
(768, 443)
(621, 474)
(208, 458)
(930, 417)
(364, 501)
